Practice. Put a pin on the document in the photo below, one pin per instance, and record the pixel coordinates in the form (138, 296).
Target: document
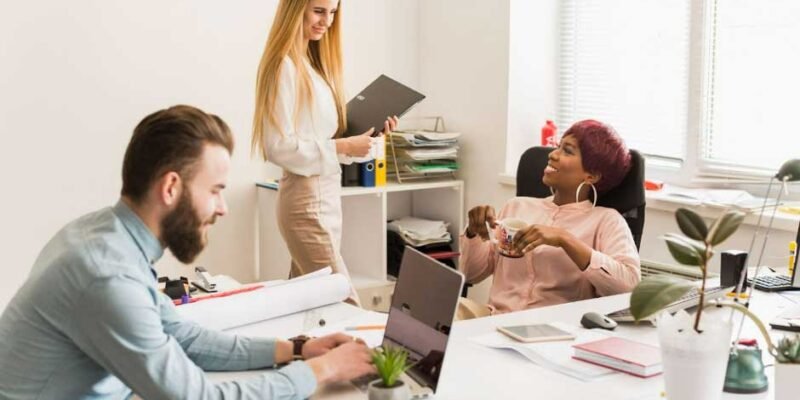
(275, 299)
(368, 327)
(555, 356)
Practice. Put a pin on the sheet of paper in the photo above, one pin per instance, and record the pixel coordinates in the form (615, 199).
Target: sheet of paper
(373, 337)
(556, 356)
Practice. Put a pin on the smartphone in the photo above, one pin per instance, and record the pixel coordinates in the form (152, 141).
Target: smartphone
(535, 333)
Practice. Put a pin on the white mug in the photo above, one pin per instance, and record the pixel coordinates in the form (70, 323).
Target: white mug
(508, 228)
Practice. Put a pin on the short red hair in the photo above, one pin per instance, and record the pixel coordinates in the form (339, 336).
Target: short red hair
(602, 152)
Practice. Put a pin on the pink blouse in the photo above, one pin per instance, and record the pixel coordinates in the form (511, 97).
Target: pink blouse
(547, 275)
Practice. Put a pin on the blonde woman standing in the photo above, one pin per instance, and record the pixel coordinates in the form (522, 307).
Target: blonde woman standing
(298, 124)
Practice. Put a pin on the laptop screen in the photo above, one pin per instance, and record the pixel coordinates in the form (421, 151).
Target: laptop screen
(422, 311)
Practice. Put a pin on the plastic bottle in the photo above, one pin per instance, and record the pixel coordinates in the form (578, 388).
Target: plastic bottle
(549, 134)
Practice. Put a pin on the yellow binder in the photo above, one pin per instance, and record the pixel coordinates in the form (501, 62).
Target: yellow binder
(380, 162)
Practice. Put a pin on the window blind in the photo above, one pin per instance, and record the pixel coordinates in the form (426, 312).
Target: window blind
(755, 82)
(626, 62)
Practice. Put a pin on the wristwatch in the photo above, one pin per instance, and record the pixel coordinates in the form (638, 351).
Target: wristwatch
(298, 341)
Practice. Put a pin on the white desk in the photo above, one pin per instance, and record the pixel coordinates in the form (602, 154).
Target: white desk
(472, 371)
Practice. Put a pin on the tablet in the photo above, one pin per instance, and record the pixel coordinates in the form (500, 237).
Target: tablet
(384, 97)
(535, 333)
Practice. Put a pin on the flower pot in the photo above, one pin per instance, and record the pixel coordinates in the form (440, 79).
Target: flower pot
(786, 384)
(377, 391)
(694, 363)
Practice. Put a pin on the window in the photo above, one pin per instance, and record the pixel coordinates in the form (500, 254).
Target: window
(711, 82)
(754, 84)
(626, 63)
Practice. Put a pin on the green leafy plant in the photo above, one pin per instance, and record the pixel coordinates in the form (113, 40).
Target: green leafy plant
(696, 248)
(391, 362)
(788, 350)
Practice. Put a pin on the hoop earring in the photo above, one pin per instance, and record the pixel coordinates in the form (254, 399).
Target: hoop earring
(578, 192)
(552, 192)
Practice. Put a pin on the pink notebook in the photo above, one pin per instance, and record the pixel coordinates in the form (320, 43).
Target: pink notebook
(623, 355)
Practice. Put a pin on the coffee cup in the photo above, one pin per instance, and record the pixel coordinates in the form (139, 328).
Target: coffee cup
(508, 228)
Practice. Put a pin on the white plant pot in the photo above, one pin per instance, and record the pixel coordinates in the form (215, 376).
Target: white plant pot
(378, 392)
(787, 381)
(694, 364)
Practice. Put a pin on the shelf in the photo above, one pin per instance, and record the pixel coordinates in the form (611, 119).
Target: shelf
(389, 188)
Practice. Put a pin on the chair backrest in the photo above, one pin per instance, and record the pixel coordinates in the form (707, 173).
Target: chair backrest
(627, 197)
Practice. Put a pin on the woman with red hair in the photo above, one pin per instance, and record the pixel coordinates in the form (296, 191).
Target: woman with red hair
(570, 249)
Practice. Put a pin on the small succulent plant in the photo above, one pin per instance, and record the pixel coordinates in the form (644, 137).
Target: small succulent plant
(788, 350)
(391, 362)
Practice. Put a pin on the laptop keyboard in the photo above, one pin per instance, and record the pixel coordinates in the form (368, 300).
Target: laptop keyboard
(685, 301)
(771, 283)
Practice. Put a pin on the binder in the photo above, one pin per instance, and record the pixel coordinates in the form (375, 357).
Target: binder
(366, 176)
(380, 161)
(350, 174)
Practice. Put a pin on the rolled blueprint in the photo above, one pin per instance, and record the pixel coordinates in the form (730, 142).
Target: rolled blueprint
(274, 300)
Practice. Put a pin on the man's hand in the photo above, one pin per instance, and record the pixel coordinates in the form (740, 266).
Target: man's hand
(319, 346)
(343, 363)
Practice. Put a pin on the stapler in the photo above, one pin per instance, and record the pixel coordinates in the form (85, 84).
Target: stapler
(203, 281)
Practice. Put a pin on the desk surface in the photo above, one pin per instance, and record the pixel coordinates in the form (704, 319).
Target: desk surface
(472, 371)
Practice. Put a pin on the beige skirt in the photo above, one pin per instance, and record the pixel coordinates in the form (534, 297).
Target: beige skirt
(309, 215)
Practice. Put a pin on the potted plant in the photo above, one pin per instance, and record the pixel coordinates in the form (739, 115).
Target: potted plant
(787, 368)
(694, 350)
(390, 362)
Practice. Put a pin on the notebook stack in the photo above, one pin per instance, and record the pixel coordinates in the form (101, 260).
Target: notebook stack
(623, 355)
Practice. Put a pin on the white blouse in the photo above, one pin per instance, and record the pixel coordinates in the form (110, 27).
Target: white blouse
(306, 147)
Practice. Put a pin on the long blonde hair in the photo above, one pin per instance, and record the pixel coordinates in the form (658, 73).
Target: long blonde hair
(286, 39)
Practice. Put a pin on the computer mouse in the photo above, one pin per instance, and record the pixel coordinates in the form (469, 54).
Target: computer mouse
(596, 320)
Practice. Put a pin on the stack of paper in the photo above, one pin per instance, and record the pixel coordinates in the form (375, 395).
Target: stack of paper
(419, 232)
(723, 198)
(423, 153)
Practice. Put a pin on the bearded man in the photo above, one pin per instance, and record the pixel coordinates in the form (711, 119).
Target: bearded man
(90, 322)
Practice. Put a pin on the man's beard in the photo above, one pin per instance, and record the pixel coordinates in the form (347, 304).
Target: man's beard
(180, 230)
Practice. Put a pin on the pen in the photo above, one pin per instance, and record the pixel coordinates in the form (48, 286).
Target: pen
(364, 327)
(792, 255)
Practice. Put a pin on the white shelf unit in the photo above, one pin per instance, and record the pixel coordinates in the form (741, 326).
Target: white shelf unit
(365, 212)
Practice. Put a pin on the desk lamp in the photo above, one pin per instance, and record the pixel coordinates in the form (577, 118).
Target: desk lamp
(745, 372)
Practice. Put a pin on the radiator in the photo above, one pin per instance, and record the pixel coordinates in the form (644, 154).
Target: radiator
(653, 268)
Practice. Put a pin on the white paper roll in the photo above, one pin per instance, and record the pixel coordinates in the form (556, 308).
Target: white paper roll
(269, 302)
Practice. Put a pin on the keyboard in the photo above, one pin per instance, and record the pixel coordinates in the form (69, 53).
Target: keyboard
(773, 283)
(686, 301)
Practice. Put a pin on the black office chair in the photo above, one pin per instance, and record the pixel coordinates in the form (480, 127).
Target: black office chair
(627, 197)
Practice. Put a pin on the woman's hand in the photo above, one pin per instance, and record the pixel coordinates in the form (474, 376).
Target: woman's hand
(531, 236)
(390, 125)
(355, 146)
(478, 217)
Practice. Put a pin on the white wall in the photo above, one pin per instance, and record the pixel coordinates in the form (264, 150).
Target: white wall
(463, 59)
(76, 77)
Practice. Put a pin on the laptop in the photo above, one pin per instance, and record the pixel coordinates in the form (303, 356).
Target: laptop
(772, 282)
(384, 97)
(420, 317)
